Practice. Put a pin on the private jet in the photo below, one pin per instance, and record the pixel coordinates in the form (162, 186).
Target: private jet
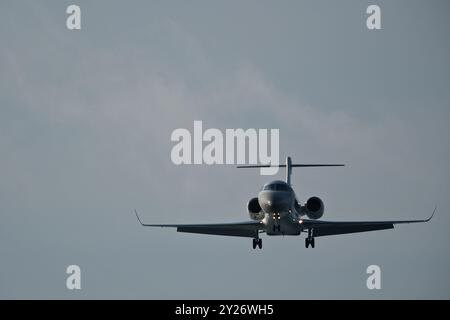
(277, 212)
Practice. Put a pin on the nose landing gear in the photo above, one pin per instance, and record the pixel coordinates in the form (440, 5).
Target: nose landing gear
(310, 239)
(257, 242)
(276, 227)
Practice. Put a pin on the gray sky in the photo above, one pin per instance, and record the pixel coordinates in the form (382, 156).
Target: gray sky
(85, 124)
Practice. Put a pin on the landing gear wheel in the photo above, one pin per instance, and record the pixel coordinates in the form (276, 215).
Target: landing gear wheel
(309, 242)
(310, 239)
(257, 243)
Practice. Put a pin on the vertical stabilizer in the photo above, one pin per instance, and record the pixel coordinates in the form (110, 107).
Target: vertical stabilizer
(288, 170)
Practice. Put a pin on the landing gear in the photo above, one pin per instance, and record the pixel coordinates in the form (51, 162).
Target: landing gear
(310, 240)
(257, 242)
(276, 228)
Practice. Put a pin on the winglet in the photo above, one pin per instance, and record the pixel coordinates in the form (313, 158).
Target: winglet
(137, 216)
(435, 208)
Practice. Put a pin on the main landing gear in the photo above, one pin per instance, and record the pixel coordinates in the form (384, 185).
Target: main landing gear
(257, 242)
(309, 240)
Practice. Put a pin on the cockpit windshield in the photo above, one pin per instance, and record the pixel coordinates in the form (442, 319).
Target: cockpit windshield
(276, 187)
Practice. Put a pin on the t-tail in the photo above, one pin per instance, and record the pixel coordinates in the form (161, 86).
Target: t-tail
(289, 165)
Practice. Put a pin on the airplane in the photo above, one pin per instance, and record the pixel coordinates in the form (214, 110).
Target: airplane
(276, 211)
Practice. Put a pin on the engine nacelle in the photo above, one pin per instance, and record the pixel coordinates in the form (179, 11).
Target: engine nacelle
(314, 208)
(254, 209)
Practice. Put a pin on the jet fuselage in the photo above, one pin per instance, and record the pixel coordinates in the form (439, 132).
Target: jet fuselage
(277, 200)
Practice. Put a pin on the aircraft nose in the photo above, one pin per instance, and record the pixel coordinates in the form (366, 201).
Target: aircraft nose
(272, 202)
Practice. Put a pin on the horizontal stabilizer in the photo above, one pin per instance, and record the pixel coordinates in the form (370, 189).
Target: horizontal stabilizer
(289, 165)
(301, 165)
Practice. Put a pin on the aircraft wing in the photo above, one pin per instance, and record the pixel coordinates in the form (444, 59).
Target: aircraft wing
(237, 229)
(327, 228)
